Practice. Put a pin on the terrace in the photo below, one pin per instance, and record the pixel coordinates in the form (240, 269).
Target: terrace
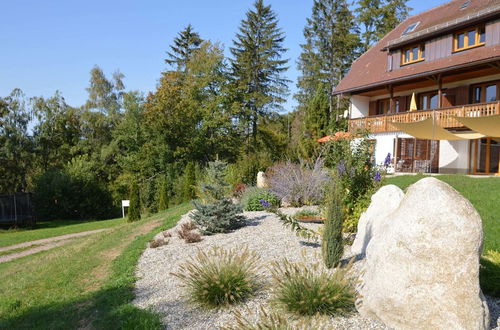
(444, 117)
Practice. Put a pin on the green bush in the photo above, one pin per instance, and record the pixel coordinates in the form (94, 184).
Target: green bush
(351, 220)
(306, 213)
(308, 290)
(247, 166)
(164, 193)
(220, 277)
(61, 194)
(134, 210)
(332, 245)
(251, 199)
(189, 182)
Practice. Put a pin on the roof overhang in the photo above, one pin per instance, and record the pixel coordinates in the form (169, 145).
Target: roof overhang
(477, 17)
(416, 76)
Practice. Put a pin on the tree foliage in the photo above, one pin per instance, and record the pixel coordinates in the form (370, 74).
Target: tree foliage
(257, 67)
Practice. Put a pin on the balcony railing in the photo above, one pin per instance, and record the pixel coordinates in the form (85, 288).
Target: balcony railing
(443, 116)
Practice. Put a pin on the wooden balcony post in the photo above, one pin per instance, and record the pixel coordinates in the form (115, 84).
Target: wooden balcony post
(440, 92)
(498, 108)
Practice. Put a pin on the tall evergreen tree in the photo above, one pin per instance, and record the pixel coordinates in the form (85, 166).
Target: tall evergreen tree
(186, 42)
(379, 17)
(258, 67)
(331, 45)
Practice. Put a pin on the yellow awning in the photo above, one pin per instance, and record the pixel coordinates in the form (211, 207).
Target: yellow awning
(489, 125)
(427, 130)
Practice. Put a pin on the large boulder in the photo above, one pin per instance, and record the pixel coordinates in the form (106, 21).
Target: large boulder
(422, 268)
(385, 201)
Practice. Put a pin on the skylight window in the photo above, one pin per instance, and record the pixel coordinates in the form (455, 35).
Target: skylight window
(465, 5)
(410, 28)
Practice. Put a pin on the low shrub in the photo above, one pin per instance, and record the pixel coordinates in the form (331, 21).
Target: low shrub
(220, 277)
(187, 234)
(252, 197)
(298, 184)
(309, 290)
(351, 220)
(166, 234)
(157, 243)
(306, 213)
(238, 190)
(489, 273)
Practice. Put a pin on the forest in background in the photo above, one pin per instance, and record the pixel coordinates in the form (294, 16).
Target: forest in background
(80, 161)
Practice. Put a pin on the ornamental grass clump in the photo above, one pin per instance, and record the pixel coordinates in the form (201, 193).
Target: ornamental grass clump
(220, 277)
(274, 320)
(309, 290)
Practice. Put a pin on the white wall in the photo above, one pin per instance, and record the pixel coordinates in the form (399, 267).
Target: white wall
(454, 156)
(360, 106)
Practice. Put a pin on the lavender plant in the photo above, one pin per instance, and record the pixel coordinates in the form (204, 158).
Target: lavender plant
(298, 184)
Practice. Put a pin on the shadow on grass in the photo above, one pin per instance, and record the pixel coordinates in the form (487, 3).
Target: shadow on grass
(489, 274)
(108, 308)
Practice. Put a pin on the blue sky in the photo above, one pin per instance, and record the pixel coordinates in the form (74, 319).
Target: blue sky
(52, 45)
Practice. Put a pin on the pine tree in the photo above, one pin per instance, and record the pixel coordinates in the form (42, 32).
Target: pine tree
(379, 17)
(134, 210)
(185, 44)
(332, 245)
(216, 213)
(257, 67)
(331, 45)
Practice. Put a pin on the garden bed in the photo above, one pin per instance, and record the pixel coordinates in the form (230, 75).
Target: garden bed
(158, 289)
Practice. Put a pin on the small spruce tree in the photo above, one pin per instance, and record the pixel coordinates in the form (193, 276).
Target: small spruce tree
(164, 198)
(332, 245)
(134, 211)
(216, 213)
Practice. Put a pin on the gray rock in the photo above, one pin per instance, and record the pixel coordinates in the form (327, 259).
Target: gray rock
(385, 201)
(422, 269)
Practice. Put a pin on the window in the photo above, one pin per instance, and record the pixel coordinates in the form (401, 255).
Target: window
(428, 101)
(486, 92)
(469, 38)
(413, 54)
(383, 106)
(410, 28)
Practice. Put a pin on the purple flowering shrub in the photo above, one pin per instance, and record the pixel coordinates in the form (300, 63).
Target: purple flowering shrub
(298, 184)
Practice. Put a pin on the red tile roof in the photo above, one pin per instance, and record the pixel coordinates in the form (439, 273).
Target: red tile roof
(370, 69)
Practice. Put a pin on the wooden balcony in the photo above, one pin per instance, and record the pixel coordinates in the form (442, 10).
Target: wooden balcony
(443, 116)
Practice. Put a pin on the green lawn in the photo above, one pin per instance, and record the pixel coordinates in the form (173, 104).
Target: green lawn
(47, 229)
(87, 283)
(484, 194)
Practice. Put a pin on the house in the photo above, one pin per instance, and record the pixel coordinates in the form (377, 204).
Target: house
(448, 59)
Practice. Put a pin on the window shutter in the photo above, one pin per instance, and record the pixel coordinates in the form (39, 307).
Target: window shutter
(372, 111)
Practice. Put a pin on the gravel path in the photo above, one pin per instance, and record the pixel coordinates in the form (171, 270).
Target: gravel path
(159, 290)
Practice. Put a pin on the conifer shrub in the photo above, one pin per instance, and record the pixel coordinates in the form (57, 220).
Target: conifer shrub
(164, 194)
(134, 210)
(189, 182)
(252, 198)
(332, 245)
(309, 289)
(216, 213)
(220, 277)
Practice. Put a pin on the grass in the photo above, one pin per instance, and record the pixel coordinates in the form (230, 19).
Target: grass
(308, 290)
(484, 194)
(46, 229)
(3, 253)
(220, 277)
(87, 283)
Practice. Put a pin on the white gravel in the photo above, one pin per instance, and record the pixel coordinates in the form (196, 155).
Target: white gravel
(162, 292)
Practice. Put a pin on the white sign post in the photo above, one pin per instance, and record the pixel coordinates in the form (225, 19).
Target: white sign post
(125, 203)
